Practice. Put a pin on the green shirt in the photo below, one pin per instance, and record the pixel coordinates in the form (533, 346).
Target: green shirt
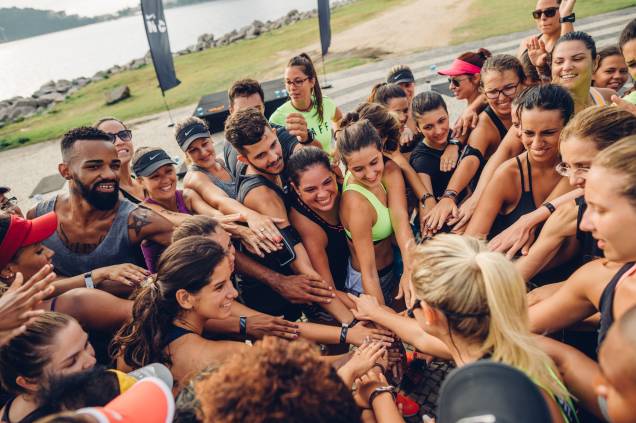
(321, 131)
(631, 98)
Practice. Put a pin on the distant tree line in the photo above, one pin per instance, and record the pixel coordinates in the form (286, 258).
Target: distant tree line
(17, 23)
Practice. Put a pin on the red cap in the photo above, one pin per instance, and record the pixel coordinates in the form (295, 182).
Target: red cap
(23, 232)
(459, 67)
(148, 401)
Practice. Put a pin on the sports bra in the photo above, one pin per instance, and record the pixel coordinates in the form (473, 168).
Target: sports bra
(597, 97)
(174, 333)
(525, 205)
(498, 123)
(606, 303)
(382, 229)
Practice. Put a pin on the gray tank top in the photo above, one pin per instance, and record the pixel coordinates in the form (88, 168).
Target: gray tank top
(228, 186)
(114, 249)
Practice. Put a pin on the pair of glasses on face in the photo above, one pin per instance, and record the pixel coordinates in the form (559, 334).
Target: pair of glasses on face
(549, 12)
(564, 169)
(456, 81)
(296, 82)
(508, 91)
(124, 135)
(8, 203)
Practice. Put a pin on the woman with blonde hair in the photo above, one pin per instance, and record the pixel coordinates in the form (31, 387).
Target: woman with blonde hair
(471, 305)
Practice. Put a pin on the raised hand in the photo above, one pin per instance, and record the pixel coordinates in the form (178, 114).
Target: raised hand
(537, 53)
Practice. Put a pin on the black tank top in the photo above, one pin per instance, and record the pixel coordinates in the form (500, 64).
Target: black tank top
(33, 416)
(606, 303)
(337, 249)
(525, 205)
(174, 333)
(498, 123)
(246, 183)
(589, 246)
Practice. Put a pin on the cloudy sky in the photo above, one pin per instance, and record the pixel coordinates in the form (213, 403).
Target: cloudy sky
(80, 7)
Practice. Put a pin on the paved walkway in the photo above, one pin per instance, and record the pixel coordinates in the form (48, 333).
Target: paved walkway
(23, 168)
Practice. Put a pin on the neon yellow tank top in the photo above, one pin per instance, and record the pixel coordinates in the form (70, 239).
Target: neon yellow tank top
(382, 229)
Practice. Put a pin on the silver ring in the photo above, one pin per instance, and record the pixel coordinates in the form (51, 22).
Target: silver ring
(262, 229)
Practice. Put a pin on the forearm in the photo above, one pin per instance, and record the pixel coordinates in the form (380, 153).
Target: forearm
(322, 334)
(541, 252)
(418, 187)
(249, 267)
(338, 310)
(386, 410)
(371, 283)
(65, 285)
(227, 325)
(464, 173)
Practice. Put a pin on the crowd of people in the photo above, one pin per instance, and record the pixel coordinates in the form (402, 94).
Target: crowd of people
(301, 271)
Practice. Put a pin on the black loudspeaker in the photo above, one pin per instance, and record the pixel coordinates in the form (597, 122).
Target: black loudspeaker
(214, 108)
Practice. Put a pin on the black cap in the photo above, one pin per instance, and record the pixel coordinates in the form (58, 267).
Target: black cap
(150, 161)
(490, 392)
(401, 76)
(191, 132)
(4, 189)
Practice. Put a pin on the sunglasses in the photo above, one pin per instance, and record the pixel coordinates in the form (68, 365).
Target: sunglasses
(8, 203)
(124, 135)
(410, 311)
(550, 12)
(456, 81)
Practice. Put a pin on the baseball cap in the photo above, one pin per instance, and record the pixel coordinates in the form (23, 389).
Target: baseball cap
(150, 161)
(147, 401)
(490, 392)
(23, 232)
(4, 189)
(459, 67)
(191, 132)
(401, 76)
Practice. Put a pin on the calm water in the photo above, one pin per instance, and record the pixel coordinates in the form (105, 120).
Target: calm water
(27, 64)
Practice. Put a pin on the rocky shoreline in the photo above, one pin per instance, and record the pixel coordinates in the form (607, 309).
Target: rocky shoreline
(52, 93)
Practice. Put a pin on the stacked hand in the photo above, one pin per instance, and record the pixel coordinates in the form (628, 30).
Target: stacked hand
(362, 360)
(260, 325)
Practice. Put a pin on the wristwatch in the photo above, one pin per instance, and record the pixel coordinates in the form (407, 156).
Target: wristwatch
(425, 197)
(310, 138)
(449, 193)
(88, 280)
(569, 18)
(380, 390)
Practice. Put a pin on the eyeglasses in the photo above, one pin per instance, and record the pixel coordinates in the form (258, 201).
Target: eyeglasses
(8, 203)
(508, 91)
(124, 135)
(456, 81)
(296, 82)
(549, 12)
(410, 311)
(564, 169)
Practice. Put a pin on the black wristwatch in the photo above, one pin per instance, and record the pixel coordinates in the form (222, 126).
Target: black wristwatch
(425, 197)
(310, 138)
(449, 193)
(455, 142)
(569, 18)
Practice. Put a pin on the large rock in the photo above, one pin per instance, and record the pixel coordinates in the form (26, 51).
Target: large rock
(137, 63)
(81, 81)
(63, 86)
(26, 102)
(118, 94)
(22, 112)
(47, 99)
(99, 76)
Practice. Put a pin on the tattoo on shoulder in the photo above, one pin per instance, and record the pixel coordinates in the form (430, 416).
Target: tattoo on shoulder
(139, 219)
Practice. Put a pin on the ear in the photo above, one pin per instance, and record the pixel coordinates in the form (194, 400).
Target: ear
(8, 273)
(185, 299)
(295, 188)
(597, 62)
(241, 158)
(24, 383)
(65, 171)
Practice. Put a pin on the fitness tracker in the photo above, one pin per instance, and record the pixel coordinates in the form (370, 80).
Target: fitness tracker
(243, 326)
(88, 280)
(549, 206)
(569, 18)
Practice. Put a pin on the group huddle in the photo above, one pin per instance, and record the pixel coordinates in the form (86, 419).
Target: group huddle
(321, 266)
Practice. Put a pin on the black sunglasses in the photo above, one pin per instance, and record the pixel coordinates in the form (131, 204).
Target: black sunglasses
(549, 12)
(410, 311)
(124, 135)
(456, 81)
(8, 203)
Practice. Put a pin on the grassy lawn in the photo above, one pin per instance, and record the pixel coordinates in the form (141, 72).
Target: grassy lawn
(201, 73)
(488, 18)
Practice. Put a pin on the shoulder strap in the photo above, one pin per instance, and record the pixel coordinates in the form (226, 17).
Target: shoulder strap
(523, 182)
(529, 173)
(495, 119)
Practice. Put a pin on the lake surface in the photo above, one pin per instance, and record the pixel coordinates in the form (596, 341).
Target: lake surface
(27, 64)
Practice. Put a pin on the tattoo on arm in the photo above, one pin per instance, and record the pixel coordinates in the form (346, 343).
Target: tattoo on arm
(139, 219)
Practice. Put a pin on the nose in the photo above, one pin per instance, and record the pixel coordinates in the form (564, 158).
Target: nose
(586, 223)
(576, 180)
(233, 293)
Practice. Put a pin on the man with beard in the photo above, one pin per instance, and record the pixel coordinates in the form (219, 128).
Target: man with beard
(261, 187)
(95, 227)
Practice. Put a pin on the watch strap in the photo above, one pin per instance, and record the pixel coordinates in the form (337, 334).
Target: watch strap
(88, 280)
(243, 326)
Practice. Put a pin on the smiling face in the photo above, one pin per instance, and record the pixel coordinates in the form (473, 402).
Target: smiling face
(629, 55)
(578, 154)
(162, 184)
(214, 301)
(366, 165)
(201, 153)
(30, 259)
(540, 131)
(468, 86)
(608, 213)
(125, 150)
(547, 25)
(495, 82)
(317, 187)
(434, 125)
(266, 155)
(399, 108)
(572, 65)
(611, 73)
(298, 85)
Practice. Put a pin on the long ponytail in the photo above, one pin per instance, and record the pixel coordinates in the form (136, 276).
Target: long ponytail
(304, 61)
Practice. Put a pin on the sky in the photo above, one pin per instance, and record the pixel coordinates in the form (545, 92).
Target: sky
(79, 7)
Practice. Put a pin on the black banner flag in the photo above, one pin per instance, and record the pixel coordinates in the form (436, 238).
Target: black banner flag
(324, 22)
(157, 32)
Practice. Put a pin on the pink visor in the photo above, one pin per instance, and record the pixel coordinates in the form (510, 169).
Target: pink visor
(459, 67)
